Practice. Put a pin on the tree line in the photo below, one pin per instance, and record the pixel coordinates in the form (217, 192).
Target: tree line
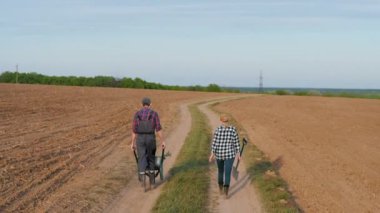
(101, 81)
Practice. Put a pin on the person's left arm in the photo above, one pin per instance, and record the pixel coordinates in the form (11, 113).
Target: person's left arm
(133, 142)
(237, 143)
(158, 129)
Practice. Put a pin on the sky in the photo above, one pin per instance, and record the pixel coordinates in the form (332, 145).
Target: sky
(294, 43)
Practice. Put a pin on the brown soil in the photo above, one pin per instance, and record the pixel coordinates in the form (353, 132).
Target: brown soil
(65, 148)
(327, 149)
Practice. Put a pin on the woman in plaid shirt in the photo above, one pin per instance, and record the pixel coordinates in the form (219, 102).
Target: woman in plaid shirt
(225, 147)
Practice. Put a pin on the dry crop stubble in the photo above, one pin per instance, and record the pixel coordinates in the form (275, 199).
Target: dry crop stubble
(328, 147)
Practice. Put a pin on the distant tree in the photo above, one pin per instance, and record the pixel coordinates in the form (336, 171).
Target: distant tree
(139, 83)
(127, 83)
(213, 88)
(81, 81)
(8, 77)
(282, 92)
(100, 81)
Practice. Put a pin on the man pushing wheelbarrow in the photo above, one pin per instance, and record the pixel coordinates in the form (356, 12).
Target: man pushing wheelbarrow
(146, 124)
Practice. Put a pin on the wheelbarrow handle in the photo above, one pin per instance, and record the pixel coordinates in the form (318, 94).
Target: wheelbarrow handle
(162, 156)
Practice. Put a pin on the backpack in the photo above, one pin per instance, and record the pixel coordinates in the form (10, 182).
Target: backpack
(145, 126)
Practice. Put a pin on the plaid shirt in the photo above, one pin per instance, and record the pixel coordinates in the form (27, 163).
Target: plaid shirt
(144, 114)
(225, 144)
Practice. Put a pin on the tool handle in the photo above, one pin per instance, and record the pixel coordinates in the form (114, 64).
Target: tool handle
(242, 148)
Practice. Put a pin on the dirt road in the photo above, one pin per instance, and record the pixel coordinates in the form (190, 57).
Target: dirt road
(242, 196)
(132, 198)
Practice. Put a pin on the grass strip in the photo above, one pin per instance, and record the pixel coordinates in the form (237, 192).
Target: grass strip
(264, 175)
(187, 188)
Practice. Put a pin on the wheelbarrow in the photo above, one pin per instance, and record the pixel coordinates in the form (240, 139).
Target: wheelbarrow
(158, 170)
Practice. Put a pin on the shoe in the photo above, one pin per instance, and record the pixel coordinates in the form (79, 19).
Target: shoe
(142, 182)
(226, 191)
(141, 176)
(151, 177)
(220, 189)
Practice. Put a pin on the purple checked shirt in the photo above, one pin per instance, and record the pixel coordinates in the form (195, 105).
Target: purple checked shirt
(144, 113)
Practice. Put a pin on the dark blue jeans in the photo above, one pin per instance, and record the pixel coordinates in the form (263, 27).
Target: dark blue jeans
(224, 169)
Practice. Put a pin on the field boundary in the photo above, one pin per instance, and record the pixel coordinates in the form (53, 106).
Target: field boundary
(186, 189)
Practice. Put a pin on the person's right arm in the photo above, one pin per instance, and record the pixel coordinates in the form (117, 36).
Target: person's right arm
(213, 147)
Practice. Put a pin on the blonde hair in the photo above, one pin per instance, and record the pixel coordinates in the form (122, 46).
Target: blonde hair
(224, 118)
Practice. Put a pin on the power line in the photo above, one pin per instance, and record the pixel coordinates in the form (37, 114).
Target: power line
(261, 84)
(16, 73)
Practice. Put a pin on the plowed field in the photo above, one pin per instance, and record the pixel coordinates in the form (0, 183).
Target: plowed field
(327, 149)
(65, 148)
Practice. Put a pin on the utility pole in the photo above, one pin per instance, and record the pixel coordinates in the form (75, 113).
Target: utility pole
(261, 87)
(16, 73)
